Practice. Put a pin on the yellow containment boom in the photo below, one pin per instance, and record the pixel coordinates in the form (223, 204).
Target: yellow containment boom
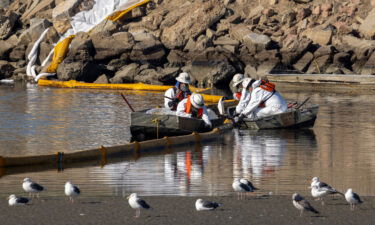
(136, 86)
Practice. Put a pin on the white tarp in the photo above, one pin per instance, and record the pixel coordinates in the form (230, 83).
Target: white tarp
(82, 22)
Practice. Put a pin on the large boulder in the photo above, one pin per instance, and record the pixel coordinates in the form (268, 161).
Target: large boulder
(369, 67)
(111, 46)
(319, 36)
(303, 63)
(6, 69)
(5, 49)
(293, 49)
(18, 53)
(191, 25)
(8, 22)
(168, 75)
(126, 74)
(148, 49)
(66, 9)
(213, 68)
(320, 64)
(37, 26)
(147, 76)
(367, 28)
(37, 7)
(253, 41)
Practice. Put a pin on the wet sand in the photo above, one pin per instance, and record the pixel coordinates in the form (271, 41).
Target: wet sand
(181, 210)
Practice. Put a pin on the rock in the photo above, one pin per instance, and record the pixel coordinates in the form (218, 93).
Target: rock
(273, 2)
(152, 21)
(317, 35)
(18, 53)
(4, 4)
(86, 71)
(111, 46)
(266, 68)
(367, 28)
(327, 7)
(342, 59)
(106, 26)
(369, 67)
(253, 41)
(250, 71)
(323, 50)
(115, 64)
(269, 12)
(102, 79)
(126, 74)
(302, 1)
(212, 68)
(148, 50)
(333, 69)
(138, 12)
(66, 9)
(210, 33)
(361, 48)
(177, 58)
(319, 65)
(7, 24)
(303, 63)
(168, 75)
(289, 18)
(293, 49)
(255, 12)
(6, 70)
(37, 26)
(303, 13)
(147, 76)
(316, 10)
(226, 40)
(43, 5)
(191, 25)
(5, 49)
(44, 50)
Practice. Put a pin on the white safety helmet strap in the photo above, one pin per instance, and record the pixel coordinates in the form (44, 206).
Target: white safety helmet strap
(197, 100)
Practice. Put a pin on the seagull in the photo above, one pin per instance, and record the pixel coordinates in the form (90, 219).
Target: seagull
(201, 205)
(303, 205)
(323, 188)
(352, 198)
(13, 200)
(137, 204)
(248, 183)
(71, 190)
(240, 187)
(31, 187)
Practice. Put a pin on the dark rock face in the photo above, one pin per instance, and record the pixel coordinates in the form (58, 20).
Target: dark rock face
(6, 70)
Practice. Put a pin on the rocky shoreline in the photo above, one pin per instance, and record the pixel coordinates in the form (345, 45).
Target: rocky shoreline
(210, 39)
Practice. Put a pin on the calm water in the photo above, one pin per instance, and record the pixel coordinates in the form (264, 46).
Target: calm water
(35, 120)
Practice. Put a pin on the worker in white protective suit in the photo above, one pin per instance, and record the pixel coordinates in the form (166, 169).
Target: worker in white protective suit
(237, 85)
(193, 107)
(245, 95)
(178, 92)
(264, 101)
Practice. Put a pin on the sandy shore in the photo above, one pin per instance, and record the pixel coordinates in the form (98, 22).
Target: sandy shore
(180, 210)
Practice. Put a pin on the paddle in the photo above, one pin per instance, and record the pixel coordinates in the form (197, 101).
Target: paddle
(308, 98)
(131, 108)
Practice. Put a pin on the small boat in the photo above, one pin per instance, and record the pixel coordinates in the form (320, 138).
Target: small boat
(158, 124)
(292, 118)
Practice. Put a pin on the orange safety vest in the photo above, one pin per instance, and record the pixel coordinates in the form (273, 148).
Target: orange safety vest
(267, 86)
(238, 95)
(188, 108)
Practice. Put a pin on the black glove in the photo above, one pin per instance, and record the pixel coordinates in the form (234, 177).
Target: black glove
(238, 120)
(173, 102)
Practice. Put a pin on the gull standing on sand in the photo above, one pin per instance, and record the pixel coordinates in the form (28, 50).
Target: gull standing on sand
(301, 204)
(137, 204)
(31, 187)
(71, 191)
(240, 188)
(324, 188)
(352, 198)
(249, 184)
(13, 200)
(201, 205)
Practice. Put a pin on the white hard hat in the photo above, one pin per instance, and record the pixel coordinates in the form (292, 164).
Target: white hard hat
(184, 78)
(247, 81)
(237, 79)
(197, 100)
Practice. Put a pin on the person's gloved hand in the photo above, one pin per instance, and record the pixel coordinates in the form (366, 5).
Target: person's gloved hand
(238, 119)
(173, 102)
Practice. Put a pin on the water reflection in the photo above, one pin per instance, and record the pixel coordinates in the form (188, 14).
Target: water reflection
(40, 120)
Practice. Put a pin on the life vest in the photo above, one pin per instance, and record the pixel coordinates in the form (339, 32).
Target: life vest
(189, 106)
(267, 86)
(238, 95)
(180, 95)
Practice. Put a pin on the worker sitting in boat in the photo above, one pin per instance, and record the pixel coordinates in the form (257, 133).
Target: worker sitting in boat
(264, 101)
(237, 85)
(245, 94)
(193, 107)
(178, 92)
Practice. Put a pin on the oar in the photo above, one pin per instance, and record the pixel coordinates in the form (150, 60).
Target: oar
(303, 103)
(130, 106)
